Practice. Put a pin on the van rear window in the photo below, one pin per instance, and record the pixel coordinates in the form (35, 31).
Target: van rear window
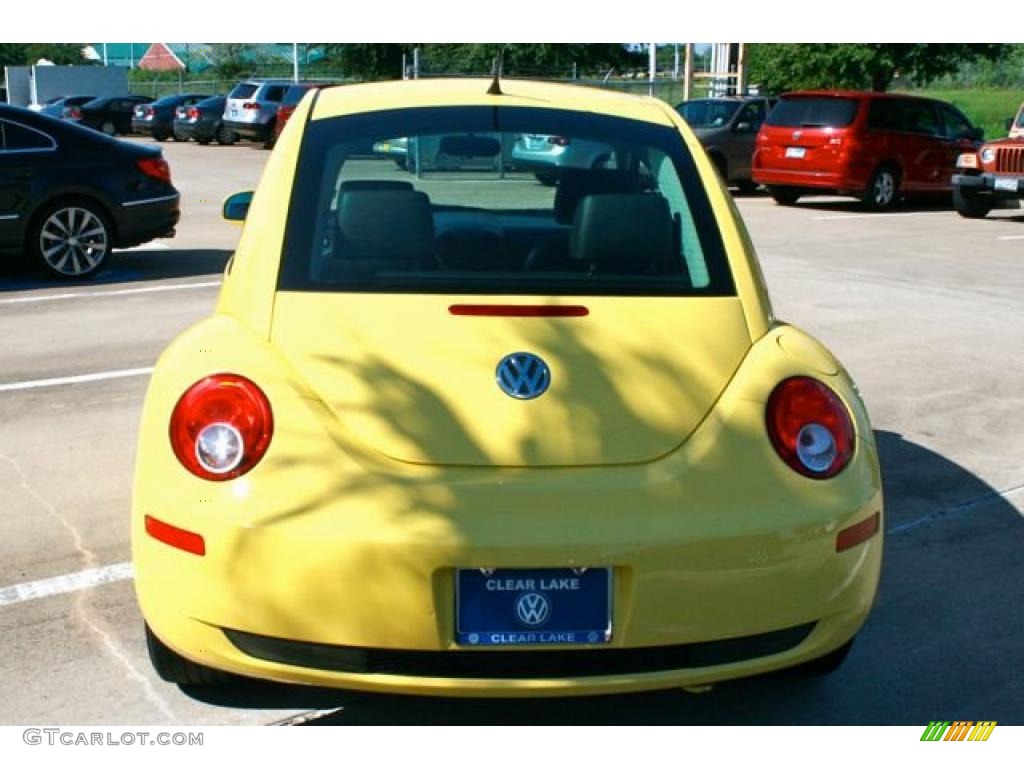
(813, 112)
(242, 91)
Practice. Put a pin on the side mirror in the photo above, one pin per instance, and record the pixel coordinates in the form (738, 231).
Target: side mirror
(236, 206)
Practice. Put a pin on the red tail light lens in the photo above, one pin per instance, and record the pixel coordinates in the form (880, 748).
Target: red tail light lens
(73, 112)
(192, 113)
(156, 168)
(809, 427)
(221, 427)
(250, 105)
(559, 141)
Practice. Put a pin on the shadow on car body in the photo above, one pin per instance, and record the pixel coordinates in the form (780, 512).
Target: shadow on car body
(942, 641)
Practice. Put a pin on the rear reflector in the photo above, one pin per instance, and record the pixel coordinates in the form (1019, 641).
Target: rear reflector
(855, 534)
(514, 310)
(178, 538)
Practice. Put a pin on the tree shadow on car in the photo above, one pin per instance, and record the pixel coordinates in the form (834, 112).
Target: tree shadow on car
(131, 266)
(943, 640)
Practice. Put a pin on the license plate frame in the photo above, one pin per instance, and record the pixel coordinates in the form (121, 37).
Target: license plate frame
(796, 153)
(526, 607)
(1006, 185)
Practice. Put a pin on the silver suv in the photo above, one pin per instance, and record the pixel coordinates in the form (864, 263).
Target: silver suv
(251, 108)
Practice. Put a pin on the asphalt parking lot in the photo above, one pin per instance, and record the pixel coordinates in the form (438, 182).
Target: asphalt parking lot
(924, 308)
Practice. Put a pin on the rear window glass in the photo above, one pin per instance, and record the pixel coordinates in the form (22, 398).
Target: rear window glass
(167, 101)
(214, 102)
(272, 93)
(15, 137)
(510, 200)
(707, 113)
(242, 91)
(294, 94)
(813, 112)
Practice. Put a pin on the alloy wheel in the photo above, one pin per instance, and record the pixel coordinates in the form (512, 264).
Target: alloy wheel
(73, 241)
(884, 189)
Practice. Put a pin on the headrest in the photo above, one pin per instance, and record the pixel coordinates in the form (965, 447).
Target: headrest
(576, 183)
(387, 229)
(628, 234)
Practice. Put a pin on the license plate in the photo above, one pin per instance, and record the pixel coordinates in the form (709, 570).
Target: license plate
(234, 113)
(533, 606)
(1006, 185)
(797, 152)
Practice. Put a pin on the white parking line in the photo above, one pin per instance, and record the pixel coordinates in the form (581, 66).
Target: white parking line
(80, 379)
(118, 292)
(69, 582)
(1011, 237)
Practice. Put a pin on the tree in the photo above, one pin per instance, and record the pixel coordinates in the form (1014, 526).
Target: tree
(789, 66)
(22, 54)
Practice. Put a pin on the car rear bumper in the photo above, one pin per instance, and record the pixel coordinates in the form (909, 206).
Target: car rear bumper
(998, 186)
(151, 127)
(142, 220)
(823, 182)
(251, 131)
(194, 130)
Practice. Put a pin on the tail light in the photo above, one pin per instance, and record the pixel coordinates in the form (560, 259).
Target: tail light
(192, 113)
(559, 141)
(73, 112)
(810, 427)
(250, 105)
(156, 168)
(221, 427)
(148, 111)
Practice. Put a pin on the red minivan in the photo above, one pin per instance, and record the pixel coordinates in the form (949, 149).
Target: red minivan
(878, 147)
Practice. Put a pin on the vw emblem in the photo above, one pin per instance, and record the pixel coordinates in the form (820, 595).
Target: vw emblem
(533, 609)
(797, 135)
(523, 376)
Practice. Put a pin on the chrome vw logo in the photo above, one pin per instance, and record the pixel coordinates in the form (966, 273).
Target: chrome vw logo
(523, 376)
(797, 135)
(532, 609)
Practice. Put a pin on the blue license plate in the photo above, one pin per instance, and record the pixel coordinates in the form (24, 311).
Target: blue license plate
(533, 606)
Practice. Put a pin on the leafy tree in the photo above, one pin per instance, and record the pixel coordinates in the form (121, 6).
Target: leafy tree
(787, 66)
(12, 55)
(21, 54)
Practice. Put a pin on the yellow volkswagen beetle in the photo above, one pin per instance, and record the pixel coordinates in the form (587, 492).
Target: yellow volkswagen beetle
(455, 431)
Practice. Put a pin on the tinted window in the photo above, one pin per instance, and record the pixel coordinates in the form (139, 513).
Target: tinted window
(169, 101)
(242, 91)
(212, 103)
(919, 117)
(955, 125)
(273, 93)
(885, 115)
(707, 113)
(753, 114)
(629, 215)
(813, 112)
(294, 94)
(16, 137)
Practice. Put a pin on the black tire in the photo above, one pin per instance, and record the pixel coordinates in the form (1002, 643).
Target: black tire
(547, 178)
(783, 195)
(823, 665)
(746, 187)
(160, 137)
(225, 136)
(179, 137)
(173, 668)
(70, 238)
(203, 142)
(883, 191)
(971, 205)
(108, 128)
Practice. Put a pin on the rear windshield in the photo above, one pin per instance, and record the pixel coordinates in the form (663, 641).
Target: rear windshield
(243, 91)
(813, 112)
(510, 200)
(707, 113)
(167, 101)
(294, 95)
(214, 102)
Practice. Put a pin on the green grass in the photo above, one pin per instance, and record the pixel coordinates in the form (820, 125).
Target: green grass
(986, 107)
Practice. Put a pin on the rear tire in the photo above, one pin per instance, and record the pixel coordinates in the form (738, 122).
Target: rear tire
(70, 238)
(108, 128)
(179, 137)
(225, 136)
(203, 142)
(971, 205)
(823, 665)
(173, 668)
(784, 196)
(547, 178)
(160, 137)
(883, 192)
(746, 187)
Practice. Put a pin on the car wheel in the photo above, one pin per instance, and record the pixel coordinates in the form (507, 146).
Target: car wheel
(70, 239)
(746, 187)
(160, 136)
(179, 137)
(883, 192)
(177, 669)
(203, 142)
(784, 196)
(108, 128)
(971, 205)
(226, 136)
(823, 665)
(547, 178)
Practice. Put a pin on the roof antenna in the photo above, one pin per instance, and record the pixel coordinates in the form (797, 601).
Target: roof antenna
(495, 89)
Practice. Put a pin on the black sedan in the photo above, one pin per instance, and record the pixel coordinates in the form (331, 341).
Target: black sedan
(204, 122)
(69, 195)
(108, 114)
(156, 119)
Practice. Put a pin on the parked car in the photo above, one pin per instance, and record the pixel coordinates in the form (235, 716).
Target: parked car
(251, 109)
(487, 439)
(874, 146)
(547, 155)
(156, 119)
(727, 128)
(993, 174)
(62, 106)
(289, 101)
(204, 122)
(68, 195)
(111, 115)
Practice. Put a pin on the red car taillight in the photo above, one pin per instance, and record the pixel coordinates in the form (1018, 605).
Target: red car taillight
(73, 112)
(250, 105)
(192, 113)
(221, 427)
(809, 427)
(156, 168)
